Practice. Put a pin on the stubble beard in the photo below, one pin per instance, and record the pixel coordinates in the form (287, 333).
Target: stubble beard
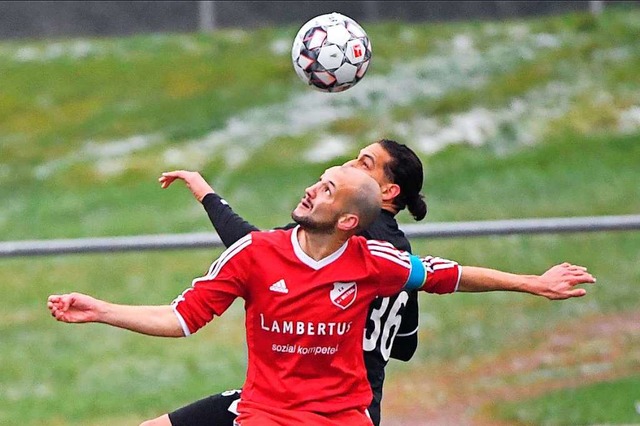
(314, 226)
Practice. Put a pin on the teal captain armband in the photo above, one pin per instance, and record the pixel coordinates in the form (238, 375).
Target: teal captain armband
(418, 274)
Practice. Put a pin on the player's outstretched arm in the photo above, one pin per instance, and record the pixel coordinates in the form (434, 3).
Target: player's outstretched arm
(557, 283)
(229, 225)
(81, 308)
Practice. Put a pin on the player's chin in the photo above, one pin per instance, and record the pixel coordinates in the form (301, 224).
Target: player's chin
(301, 215)
(301, 210)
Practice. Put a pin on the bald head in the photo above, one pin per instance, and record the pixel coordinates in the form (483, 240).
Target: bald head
(361, 194)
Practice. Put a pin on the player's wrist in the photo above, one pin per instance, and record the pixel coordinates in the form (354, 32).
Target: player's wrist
(209, 196)
(532, 284)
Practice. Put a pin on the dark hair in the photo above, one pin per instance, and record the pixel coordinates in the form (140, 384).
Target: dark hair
(405, 170)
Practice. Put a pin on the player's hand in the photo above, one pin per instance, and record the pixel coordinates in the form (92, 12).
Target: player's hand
(559, 282)
(194, 181)
(73, 307)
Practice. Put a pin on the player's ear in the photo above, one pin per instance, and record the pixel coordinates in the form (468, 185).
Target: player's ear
(348, 222)
(390, 191)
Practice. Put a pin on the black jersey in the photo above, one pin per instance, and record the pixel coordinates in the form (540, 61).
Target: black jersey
(392, 324)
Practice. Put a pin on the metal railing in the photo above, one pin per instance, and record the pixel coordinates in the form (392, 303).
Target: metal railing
(431, 230)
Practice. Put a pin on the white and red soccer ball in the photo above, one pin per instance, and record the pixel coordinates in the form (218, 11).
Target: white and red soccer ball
(331, 52)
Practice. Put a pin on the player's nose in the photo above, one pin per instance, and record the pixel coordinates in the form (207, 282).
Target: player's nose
(309, 191)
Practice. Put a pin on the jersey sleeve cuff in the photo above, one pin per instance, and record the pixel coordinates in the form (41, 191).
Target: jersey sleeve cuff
(411, 333)
(212, 198)
(182, 322)
(459, 277)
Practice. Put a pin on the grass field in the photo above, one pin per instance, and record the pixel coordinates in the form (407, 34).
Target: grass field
(610, 402)
(536, 118)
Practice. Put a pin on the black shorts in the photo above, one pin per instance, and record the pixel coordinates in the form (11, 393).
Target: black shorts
(215, 410)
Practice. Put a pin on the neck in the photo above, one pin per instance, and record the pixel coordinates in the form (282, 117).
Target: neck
(388, 206)
(320, 245)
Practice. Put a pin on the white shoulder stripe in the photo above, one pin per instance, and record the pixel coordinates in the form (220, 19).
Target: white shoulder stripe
(215, 267)
(434, 259)
(402, 256)
(437, 263)
(386, 247)
(443, 266)
(233, 249)
(393, 258)
(391, 250)
(377, 243)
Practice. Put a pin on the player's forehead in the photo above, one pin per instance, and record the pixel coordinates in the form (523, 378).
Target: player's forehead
(342, 176)
(332, 174)
(375, 153)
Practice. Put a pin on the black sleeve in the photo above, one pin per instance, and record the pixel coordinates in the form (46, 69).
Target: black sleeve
(406, 341)
(229, 226)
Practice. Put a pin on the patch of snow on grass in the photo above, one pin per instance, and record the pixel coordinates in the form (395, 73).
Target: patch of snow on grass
(109, 157)
(118, 148)
(327, 148)
(457, 65)
(75, 50)
(629, 120)
(520, 123)
(281, 47)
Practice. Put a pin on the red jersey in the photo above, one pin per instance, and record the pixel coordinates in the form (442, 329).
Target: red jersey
(305, 318)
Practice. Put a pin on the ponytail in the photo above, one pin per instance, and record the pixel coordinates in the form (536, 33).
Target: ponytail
(417, 207)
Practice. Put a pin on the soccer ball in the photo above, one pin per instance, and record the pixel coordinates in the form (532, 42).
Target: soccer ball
(331, 53)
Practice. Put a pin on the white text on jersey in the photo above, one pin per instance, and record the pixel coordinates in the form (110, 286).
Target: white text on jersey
(305, 327)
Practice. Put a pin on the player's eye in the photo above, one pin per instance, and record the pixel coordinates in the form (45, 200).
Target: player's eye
(365, 162)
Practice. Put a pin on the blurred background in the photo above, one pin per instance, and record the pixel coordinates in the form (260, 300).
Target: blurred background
(38, 19)
(526, 109)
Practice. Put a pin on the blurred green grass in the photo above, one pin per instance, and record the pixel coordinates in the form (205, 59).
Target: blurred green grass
(74, 98)
(610, 402)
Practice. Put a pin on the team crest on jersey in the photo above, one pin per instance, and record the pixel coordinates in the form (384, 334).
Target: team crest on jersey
(343, 294)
